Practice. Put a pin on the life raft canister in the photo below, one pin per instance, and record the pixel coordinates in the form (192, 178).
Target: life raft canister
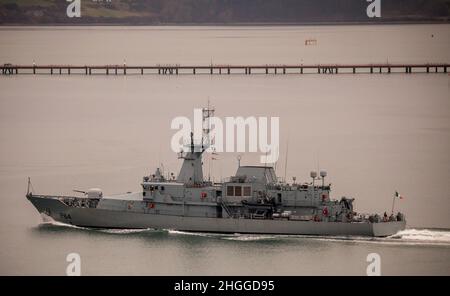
(325, 211)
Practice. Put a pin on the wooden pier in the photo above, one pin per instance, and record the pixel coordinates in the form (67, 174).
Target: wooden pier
(10, 69)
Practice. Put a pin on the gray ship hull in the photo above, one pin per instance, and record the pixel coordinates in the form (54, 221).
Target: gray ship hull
(106, 218)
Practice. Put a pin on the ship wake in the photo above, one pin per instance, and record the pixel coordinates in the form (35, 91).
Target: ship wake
(405, 237)
(423, 235)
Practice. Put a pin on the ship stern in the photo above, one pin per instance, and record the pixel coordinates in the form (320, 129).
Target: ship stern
(387, 228)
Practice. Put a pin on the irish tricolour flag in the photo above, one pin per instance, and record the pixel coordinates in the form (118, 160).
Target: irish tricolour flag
(398, 195)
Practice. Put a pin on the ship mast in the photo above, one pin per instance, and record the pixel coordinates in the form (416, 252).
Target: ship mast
(191, 171)
(207, 113)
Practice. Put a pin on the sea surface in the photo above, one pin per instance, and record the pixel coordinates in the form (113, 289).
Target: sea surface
(373, 134)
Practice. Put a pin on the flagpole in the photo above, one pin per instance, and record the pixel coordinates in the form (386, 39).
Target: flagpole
(393, 204)
(28, 187)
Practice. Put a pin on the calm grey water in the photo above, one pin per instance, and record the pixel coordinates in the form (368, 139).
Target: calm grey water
(374, 134)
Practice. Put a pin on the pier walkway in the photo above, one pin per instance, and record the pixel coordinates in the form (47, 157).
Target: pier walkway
(11, 69)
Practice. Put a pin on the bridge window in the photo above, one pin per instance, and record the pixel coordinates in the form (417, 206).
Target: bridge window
(247, 191)
(238, 191)
(230, 190)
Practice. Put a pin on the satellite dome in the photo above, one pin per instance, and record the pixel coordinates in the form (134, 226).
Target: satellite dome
(95, 193)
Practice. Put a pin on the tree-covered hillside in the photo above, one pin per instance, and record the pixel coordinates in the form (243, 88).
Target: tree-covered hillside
(154, 12)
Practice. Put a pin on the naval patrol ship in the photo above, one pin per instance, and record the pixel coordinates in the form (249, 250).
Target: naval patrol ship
(252, 201)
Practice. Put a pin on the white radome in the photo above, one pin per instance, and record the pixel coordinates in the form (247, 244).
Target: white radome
(94, 193)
